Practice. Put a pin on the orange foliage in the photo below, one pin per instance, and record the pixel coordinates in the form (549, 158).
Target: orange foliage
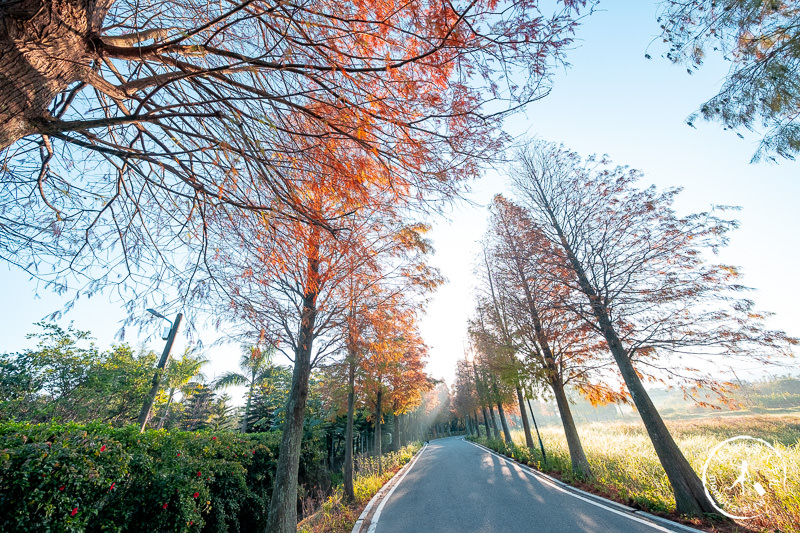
(393, 356)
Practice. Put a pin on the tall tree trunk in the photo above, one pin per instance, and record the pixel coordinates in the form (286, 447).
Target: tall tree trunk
(393, 433)
(477, 424)
(501, 413)
(495, 431)
(524, 415)
(349, 493)
(247, 405)
(329, 438)
(483, 399)
(690, 498)
(580, 465)
(504, 422)
(378, 412)
(282, 516)
(398, 421)
(538, 435)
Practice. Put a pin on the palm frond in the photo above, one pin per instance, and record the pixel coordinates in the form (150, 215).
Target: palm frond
(230, 379)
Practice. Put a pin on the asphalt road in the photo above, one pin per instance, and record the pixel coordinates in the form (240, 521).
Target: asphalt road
(457, 487)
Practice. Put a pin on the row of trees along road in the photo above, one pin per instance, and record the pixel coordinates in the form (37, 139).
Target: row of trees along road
(218, 156)
(311, 283)
(188, 151)
(587, 279)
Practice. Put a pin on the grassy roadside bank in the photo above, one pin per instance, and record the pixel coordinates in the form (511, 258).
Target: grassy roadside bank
(627, 470)
(334, 516)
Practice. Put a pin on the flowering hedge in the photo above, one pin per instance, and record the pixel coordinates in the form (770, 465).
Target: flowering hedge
(94, 477)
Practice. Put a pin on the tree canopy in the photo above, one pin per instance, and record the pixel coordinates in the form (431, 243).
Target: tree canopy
(127, 127)
(761, 39)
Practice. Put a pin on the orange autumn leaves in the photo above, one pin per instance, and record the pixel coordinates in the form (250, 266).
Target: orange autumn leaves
(393, 359)
(226, 109)
(396, 91)
(384, 349)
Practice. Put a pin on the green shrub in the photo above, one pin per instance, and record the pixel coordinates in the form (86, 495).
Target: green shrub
(94, 477)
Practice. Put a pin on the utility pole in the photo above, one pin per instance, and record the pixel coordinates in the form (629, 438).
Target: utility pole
(147, 406)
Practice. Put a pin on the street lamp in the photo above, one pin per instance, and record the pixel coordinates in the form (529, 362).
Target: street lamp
(159, 315)
(147, 406)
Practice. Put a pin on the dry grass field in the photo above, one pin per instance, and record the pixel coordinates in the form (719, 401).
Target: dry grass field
(626, 467)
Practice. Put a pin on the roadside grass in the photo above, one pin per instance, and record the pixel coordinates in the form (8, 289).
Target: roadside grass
(627, 470)
(334, 515)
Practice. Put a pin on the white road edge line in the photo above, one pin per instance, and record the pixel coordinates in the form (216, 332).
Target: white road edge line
(365, 512)
(374, 523)
(565, 491)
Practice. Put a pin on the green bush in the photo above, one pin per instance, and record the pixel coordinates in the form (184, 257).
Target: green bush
(73, 477)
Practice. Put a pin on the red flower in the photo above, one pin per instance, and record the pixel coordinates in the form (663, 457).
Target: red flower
(61, 488)
(103, 448)
(179, 454)
(254, 452)
(199, 473)
(213, 438)
(112, 485)
(195, 495)
(74, 512)
(191, 522)
(164, 506)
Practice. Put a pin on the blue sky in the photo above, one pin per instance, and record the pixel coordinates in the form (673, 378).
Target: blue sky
(611, 100)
